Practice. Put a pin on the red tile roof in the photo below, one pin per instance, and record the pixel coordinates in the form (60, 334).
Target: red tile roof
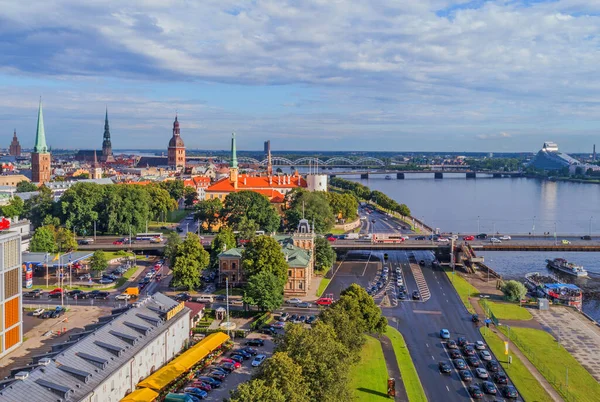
(246, 182)
(195, 307)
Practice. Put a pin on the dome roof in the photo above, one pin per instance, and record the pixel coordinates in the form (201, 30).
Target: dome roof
(176, 141)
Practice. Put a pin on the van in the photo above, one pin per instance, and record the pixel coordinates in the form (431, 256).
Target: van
(205, 299)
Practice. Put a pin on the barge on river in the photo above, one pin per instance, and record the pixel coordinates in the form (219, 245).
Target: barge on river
(562, 265)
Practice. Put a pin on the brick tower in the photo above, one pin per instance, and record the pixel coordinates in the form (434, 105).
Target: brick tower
(176, 148)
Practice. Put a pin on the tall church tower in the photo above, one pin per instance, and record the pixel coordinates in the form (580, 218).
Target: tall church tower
(107, 155)
(15, 147)
(96, 171)
(40, 157)
(233, 166)
(176, 151)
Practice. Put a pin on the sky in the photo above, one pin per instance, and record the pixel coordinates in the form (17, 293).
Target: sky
(362, 75)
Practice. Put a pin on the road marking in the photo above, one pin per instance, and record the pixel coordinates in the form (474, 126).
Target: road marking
(447, 388)
(432, 358)
(427, 344)
(436, 312)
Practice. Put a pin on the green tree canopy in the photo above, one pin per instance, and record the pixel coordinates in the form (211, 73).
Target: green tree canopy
(281, 372)
(247, 228)
(224, 240)
(191, 258)
(160, 202)
(98, 261)
(43, 240)
(78, 206)
(15, 207)
(263, 254)
(324, 254)
(344, 204)
(264, 290)
(190, 195)
(253, 206)
(257, 391)
(313, 205)
(174, 187)
(65, 239)
(208, 211)
(514, 290)
(173, 241)
(25, 186)
(40, 206)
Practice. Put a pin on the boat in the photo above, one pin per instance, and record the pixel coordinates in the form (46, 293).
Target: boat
(388, 177)
(550, 287)
(567, 267)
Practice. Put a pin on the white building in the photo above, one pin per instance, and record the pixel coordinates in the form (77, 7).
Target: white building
(316, 182)
(108, 360)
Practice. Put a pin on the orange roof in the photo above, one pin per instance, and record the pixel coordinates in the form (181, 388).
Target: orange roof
(246, 182)
(202, 181)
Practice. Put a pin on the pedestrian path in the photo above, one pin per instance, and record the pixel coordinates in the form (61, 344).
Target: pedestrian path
(393, 368)
(421, 282)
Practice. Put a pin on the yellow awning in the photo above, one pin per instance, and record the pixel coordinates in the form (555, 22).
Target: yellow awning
(163, 377)
(141, 395)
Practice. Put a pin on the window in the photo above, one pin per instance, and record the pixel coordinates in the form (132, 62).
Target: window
(299, 285)
(233, 265)
(289, 272)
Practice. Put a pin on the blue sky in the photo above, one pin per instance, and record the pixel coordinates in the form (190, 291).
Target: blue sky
(427, 75)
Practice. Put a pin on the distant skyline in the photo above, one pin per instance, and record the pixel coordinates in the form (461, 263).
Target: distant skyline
(426, 75)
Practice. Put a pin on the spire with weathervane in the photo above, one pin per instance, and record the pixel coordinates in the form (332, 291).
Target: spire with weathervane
(107, 154)
(233, 166)
(40, 146)
(40, 157)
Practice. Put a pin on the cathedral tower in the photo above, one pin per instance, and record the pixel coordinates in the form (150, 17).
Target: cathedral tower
(176, 151)
(40, 157)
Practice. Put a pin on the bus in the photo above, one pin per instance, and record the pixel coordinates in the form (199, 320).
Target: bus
(388, 238)
(149, 236)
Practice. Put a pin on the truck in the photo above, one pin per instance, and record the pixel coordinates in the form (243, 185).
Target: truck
(351, 236)
(134, 292)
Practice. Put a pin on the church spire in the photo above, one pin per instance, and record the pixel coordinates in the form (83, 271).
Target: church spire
(40, 135)
(234, 163)
(107, 155)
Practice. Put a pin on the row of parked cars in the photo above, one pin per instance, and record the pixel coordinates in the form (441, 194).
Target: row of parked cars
(50, 313)
(466, 356)
(58, 293)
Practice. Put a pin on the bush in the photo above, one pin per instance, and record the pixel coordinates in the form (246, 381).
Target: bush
(514, 291)
(259, 321)
(121, 253)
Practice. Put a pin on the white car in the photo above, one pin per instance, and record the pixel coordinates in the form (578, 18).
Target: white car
(485, 355)
(405, 237)
(442, 240)
(399, 282)
(454, 237)
(258, 360)
(38, 312)
(505, 237)
(123, 296)
(479, 345)
(495, 240)
(481, 372)
(295, 300)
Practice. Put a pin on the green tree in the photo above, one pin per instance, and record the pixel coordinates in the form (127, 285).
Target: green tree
(26, 187)
(224, 240)
(247, 228)
(98, 261)
(82, 176)
(15, 207)
(78, 206)
(43, 240)
(256, 391)
(344, 204)
(314, 206)
(370, 312)
(174, 187)
(324, 254)
(253, 206)
(282, 373)
(263, 254)
(160, 202)
(403, 210)
(264, 290)
(190, 195)
(514, 290)
(65, 239)
(209, 211)
(186, 273)
(40, 206)
(173, 241)
(323, 358)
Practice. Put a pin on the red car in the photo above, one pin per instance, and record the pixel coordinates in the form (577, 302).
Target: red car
(469, 238)
(331, 239)
(237, 365)
(118, 243)
(324, 301)
(55, 291)
(202, 385)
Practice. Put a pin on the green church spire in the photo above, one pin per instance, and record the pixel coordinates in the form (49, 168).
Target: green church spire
(40, 146)
(233, 152)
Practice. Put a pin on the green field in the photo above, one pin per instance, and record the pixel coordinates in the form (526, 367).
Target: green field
(414, 389)
(529, 388)
(507, 311)
(322, 286)
(110, 255)
(552, 360)
(368, 378)
(464, 289)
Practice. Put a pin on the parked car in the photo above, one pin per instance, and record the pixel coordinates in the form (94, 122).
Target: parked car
(255, 342)
(500, 378)
(284, 316)
(123, 296)
(218, 375)
(509, 392)
(258, 360)
(210, 381)
(84, 277)
(445, 367)
(473, 361)
(401, 295)
(493, 366)
(469, 351)
(454, 354)
(489, 388)
(105, 281)
(295, 300)
(485, 355)
(243, 352)
(461, 341)
(250, 350)
(324, 301)
(278, 325)
(228, 366)
(57, 312)
(416, 295)
(202, 385)
(235, 358)
(460, 364)
(311, 319)
(36, 294)
(268, 330)
(451, 344)
(465, 375)
(304, 305)
(80, 294)
(38, 312)
(479, 345)
(197, 392)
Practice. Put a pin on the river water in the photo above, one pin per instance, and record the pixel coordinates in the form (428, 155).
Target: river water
(507, 205)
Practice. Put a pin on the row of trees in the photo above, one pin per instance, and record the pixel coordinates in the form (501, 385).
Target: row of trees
(364, 193)
(313, 364)
(504, 164)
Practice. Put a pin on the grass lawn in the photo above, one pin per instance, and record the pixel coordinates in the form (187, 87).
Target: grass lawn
(337, 231)
(177, 216)
(414, 389)
(368, 378)
(232, 292)
(529, 388)
(322, 286)
(111, 255)
(464, 289)
(507, 311)
(552, 361)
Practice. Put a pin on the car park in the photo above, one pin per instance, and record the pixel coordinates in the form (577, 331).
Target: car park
(445, 367)
(465, 375)
(508, 391)
(444, 334)
(485, 355)
(460, 364)
(255, 342)
(475, 392)
(480, 372)
(258, 360)
(489, 388)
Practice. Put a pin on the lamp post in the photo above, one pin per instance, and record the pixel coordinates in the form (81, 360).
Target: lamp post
(591, 217)
(555, 234)
(533, 227)
(478, 230)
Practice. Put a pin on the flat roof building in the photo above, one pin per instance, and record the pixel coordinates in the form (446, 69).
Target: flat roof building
(11, 315)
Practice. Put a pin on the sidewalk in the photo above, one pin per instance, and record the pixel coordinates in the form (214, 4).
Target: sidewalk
(532, 369)
(392, 368)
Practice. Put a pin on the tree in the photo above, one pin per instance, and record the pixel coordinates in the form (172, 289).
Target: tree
(78, 206)
(43, 240)
(514, 290)
(209, 211)
(192, 247)
(65, 239)
(263, 254)
(256, 391)
(224, 240)
(38, 207)
(82, 176)
(15, 207)
(186, 273)
(98, 261)
(174, 187)
(172, 243)
(403, 210)
(344, 204)
(264, 290)
(324, 254)
(324, 360)
(190, 195)
(253, 206)
(160, 202)
(314, 206)
(25, 186)
(282, 373)
(247, 228)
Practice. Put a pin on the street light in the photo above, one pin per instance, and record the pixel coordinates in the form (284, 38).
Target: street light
(555, 233)
(478, 230)
(591, 217)
(533, 228)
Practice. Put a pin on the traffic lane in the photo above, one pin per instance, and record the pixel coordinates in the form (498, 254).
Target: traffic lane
(401, 259)
(349, 272)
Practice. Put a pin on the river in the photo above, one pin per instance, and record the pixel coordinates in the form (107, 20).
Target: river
(508, 205)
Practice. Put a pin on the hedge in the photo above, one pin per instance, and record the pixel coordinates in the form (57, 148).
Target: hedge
(259, 321)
